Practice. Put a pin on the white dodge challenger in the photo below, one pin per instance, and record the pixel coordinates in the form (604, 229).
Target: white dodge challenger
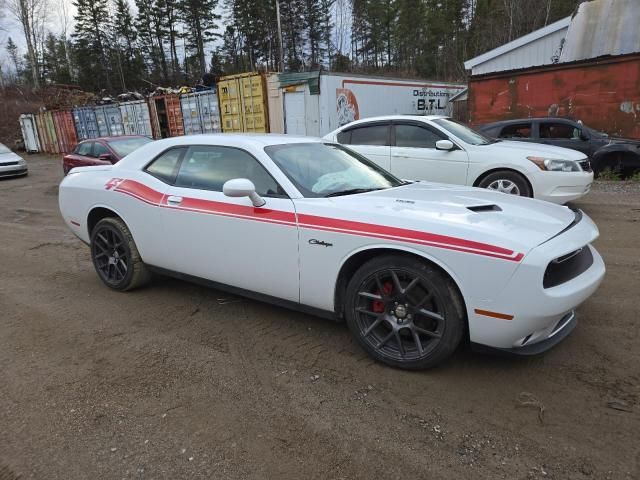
(413, 268)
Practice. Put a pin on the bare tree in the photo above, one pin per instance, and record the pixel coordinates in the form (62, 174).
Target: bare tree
(31, 15)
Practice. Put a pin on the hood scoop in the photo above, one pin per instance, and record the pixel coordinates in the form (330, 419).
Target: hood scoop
(485, 208)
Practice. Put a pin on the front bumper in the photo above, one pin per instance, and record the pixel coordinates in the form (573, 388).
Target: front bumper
(13, 170)
(534, 317)
(563, 328)
(561, 187)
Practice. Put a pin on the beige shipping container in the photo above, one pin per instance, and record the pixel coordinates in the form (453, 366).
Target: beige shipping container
(243, 103)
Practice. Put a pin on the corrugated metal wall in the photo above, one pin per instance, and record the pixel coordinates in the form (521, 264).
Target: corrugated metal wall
(166, 116)
(136, 118)
(604, 94)
(243, 103)
(65, 130)
(85, 122)
(200, 113)
(109, 120)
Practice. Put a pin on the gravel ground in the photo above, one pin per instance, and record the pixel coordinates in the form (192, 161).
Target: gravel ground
(178, 381)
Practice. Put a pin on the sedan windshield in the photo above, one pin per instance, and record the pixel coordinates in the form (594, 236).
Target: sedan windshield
(463, 132)
(125, 146)
(325, 169)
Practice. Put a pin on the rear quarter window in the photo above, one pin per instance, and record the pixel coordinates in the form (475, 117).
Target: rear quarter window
(165, 167)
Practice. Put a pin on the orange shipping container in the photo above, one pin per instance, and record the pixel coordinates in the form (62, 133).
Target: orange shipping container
(65, 130)
(166, 116)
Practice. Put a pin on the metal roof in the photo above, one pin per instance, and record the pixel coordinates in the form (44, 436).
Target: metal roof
(518, 43)
(603, 27)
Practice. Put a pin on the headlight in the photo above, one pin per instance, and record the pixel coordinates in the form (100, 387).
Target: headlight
(555, 165)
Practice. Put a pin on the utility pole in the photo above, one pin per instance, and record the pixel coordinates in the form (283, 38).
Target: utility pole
(280, 37)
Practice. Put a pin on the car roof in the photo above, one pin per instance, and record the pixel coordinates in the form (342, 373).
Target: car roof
(531, 119)
(117, 137)
(239, 139)
(420, 118)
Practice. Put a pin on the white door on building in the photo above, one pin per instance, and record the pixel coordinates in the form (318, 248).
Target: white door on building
(294, 113)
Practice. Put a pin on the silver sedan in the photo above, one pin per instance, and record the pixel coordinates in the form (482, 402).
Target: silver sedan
(11, 164)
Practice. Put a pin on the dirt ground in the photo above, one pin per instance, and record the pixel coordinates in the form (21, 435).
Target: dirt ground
(179, 381)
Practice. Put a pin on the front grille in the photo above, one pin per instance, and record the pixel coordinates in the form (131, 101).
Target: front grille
(585, 165)
(567, 267)
(9, 164)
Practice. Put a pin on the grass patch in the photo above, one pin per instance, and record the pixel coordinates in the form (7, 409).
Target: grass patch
(611, 175)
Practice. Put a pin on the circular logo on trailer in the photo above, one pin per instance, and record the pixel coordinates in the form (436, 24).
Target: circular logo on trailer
(347, 106)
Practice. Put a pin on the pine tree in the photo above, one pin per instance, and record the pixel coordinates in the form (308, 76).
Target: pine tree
(200, 19)
(91, 43)
(12, 50)
(152, 34)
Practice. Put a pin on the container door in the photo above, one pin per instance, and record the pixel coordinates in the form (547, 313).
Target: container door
(209, 112)
(114, 120)
(294, 114)
(190, 115)
(174, 115)
(230, 105)
(153, 113)
(101, 120)
(65, 131)
(29, 133)
(51, 128)
(253, 104)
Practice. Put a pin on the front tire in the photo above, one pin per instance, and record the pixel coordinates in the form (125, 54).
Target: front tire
(116, 257)
(404, 312)
(507, 181)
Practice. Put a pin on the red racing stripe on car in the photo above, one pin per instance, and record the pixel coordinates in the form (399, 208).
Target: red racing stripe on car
(140, 191)
(401, 234)
(313, 222)
(231, 210)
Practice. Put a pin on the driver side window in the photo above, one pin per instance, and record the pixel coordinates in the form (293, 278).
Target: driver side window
(562, 131)
(208, 168)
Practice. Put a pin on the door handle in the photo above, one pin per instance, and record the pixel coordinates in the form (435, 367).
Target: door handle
(172, 200)
(399, 155)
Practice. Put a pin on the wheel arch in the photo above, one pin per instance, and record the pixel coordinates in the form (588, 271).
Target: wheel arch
(606, 157)
(99, 212)
(486, 173)
(352, 262)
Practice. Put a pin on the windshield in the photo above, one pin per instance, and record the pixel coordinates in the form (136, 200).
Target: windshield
(125, 146)
(463, 132)
(325, 169)
(4, 149)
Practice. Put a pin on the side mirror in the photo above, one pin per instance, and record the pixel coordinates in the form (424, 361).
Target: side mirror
(106, 157)
(445, 145)
(583, 136)
(241, 187)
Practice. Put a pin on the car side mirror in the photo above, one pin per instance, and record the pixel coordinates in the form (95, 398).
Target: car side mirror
(446, 145)
(583, 136)
(106, 157)
(242, 187)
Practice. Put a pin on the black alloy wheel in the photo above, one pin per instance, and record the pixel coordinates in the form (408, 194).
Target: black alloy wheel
(115, 255)
(405, 313)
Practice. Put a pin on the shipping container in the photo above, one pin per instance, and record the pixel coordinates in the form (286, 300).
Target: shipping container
(603, 93)
(30, 132)
(200, 112)
(65, 130)
(109, 120)
(136, 118)
(317, 103)
(47, 133)
(274, 101)
(86, 123)
(243, 103)
(166, 116)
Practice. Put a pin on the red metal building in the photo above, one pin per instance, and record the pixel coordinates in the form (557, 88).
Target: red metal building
(604, 93)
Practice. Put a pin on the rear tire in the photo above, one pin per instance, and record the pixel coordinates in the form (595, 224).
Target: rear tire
(404, 312)
(507, 181)
(116, 257)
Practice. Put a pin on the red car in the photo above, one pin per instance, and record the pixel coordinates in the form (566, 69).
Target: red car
(102, 151)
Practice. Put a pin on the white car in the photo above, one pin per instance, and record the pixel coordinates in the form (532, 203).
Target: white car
(11, 164)
(440, 149)
(308, 224)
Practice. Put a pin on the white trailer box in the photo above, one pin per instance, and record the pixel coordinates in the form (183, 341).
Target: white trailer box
(317, 103)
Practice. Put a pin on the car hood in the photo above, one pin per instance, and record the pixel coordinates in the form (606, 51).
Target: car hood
(9, 157)
(534, 149)
(475, 214)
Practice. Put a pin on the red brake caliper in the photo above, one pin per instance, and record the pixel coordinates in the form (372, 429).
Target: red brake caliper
(377, 306)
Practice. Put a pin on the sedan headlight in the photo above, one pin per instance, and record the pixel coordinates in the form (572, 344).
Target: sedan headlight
(555, 165)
